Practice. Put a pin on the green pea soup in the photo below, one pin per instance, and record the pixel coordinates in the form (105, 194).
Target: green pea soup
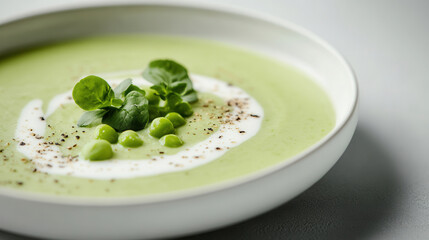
(297, 112)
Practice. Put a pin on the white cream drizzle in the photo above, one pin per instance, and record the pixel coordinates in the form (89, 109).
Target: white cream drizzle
(49, 158)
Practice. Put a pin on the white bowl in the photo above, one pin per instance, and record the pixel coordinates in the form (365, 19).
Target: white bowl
(194, 210)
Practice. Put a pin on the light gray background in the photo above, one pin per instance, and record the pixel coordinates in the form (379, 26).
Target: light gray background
(379, 189)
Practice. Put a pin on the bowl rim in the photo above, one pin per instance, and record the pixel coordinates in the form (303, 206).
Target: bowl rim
(214, 187)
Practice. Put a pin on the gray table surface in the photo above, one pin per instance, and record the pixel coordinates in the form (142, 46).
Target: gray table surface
(379, 189)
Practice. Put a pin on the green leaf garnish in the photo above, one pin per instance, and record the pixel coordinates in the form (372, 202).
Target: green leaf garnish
(190, 97)
(169, 76)
(122, 87)
(92, 93)
(133, 87)
(126, 87)
(132, 115)
(127, 106)
(91, 118)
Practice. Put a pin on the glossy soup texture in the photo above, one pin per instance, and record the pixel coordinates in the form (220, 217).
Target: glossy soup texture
(297, 112)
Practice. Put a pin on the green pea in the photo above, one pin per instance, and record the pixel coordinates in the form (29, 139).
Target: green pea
(184, 108)
(130, 138)
(106, 132)
(152, 96)
(160, 127)
(176, 119)
(171, 140)
(97, 150)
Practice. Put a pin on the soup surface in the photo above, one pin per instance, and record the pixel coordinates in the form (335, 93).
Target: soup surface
(296, 112)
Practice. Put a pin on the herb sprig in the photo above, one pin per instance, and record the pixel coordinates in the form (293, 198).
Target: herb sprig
(170, 77)
(126, 107)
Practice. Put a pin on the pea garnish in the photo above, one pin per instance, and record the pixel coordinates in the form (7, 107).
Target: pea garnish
(160, 127)
(171, 140)
(106, 132)
(176, 119)
(97, 150)
(130, 138)
(128, 108)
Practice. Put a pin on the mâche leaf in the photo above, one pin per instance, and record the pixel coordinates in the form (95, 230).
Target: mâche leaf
(172, 100)
(165, 72)
(132, 115)
(191, 96)
(91, 118)
(116, 103)
(133, 87)
(126, 87)
(169, 76)
(92, 93)
(161, 90)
